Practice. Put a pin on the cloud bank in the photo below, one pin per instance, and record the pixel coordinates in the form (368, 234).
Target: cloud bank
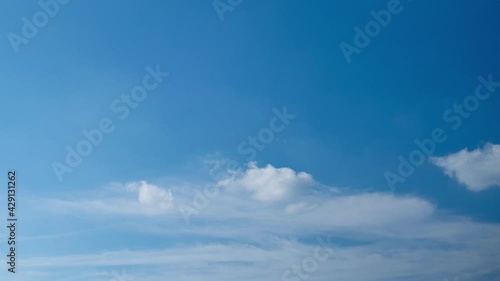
(266, 221)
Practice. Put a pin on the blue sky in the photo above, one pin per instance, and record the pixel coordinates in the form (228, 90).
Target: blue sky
(322, 174)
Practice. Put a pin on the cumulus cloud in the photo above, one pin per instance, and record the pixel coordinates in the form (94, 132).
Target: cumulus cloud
(151, 195)
(269, 183)
(316, 208)
(477, 169)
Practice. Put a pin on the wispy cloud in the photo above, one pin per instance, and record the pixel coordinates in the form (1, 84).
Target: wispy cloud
(134, 198)
(252, 232)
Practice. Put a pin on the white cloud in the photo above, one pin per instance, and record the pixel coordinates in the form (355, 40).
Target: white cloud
(279, 189)
(151, 195)
(295, 208)
(366, 210)
(385, 259)
(269, 183)
(148, 199)
(389, 237)
(477, 170)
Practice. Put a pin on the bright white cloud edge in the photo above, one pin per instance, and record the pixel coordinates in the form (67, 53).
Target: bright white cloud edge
(478, 169)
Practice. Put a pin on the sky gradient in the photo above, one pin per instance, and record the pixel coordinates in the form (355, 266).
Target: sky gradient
(228, 138)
